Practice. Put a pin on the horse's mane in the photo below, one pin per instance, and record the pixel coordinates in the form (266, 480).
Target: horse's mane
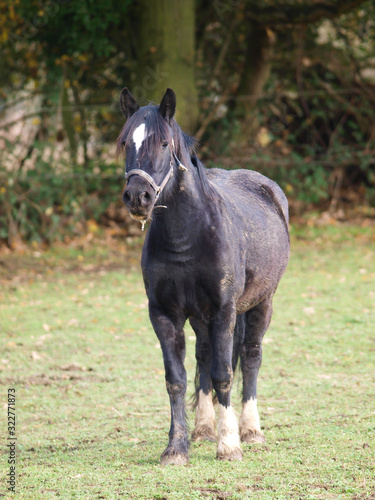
(157, 131)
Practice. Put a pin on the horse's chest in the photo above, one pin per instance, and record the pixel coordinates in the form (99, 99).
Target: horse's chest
(188, 287)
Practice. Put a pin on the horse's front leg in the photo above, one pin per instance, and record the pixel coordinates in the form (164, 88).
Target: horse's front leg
(172, 340)
(205, 411)
(221, 333)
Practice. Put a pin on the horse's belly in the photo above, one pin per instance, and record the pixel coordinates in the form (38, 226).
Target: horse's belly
(250, 299)
(257, 288)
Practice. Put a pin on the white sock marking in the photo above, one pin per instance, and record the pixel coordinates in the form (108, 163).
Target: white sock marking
(205, 412)
(228, 429)
(250, 416)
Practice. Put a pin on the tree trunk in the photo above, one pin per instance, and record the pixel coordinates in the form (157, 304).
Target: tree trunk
(165, 56)
(67, 116)
(259, 52)
(84, 136)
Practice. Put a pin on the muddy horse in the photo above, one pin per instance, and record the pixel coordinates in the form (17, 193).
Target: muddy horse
(214, 253)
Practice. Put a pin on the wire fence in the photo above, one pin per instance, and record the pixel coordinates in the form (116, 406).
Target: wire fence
(334, 156)
(292, 94)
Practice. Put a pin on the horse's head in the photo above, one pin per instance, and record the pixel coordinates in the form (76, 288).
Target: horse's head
(150, 154)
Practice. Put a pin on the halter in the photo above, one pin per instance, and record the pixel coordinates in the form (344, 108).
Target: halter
(149, 178)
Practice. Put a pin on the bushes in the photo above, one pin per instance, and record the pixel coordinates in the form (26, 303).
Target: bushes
(44, 205)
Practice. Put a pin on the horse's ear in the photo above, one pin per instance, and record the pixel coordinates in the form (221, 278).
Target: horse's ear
(128, 104)
(167, 106)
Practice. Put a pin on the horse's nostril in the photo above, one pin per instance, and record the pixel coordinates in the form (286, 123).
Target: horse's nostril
(126, 197)
(145, 198)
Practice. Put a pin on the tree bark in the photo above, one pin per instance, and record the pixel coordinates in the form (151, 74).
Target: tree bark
(68, 123)
(259, 53)
(67, 116)
(165, 56)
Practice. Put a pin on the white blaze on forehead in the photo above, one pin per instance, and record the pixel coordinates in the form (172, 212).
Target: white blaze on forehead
(139, 136)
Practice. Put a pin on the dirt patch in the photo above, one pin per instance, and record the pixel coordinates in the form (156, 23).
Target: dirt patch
(48, 380)
(214, 493)
(88, 258)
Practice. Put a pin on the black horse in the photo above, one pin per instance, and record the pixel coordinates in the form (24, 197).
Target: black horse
(215, 251)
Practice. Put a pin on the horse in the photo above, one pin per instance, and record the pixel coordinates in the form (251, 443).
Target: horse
(215, 251)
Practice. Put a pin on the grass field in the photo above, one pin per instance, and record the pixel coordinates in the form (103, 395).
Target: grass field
(92, 412)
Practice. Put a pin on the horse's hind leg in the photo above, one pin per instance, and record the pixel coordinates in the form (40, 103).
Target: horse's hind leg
(257, 322)
(221, 335)
(205, 412)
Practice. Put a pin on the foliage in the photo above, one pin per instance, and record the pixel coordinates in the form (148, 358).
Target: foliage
(67, 29)
(313, 127)
(293, 101)
(43, 205)
(92, 409)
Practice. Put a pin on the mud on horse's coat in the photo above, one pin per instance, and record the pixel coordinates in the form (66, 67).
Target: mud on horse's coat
(214, 253)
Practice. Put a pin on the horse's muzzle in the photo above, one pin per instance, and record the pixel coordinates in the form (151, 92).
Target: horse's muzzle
(139, 202)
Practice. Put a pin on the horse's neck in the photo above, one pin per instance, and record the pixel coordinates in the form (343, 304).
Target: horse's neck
(187, 215)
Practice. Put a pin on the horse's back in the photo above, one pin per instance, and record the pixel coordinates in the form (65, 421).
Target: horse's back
(245, 183)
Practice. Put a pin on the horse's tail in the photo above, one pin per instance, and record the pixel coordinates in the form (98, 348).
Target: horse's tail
(238, 338)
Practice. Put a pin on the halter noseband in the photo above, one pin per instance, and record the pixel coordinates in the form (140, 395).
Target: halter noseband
(149, 178)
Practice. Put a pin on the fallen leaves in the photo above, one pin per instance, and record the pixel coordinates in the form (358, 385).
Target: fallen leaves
(309, 310)
(72, 367)
(36, 356)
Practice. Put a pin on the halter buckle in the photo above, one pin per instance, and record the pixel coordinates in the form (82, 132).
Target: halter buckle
(179, 164)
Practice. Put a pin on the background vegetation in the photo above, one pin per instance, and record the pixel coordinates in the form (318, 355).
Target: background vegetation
(92, 409)
(285, 87)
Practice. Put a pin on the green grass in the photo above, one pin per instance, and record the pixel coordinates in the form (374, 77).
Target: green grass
(93, 412)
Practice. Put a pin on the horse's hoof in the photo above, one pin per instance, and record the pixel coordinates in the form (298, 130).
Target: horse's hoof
(252, 436)
(203, 432)
(229, 454)
(170, 457)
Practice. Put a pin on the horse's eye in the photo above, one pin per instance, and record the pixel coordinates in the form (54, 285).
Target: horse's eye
(165, 144)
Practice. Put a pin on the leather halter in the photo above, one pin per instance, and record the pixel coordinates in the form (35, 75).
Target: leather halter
(149, 178)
